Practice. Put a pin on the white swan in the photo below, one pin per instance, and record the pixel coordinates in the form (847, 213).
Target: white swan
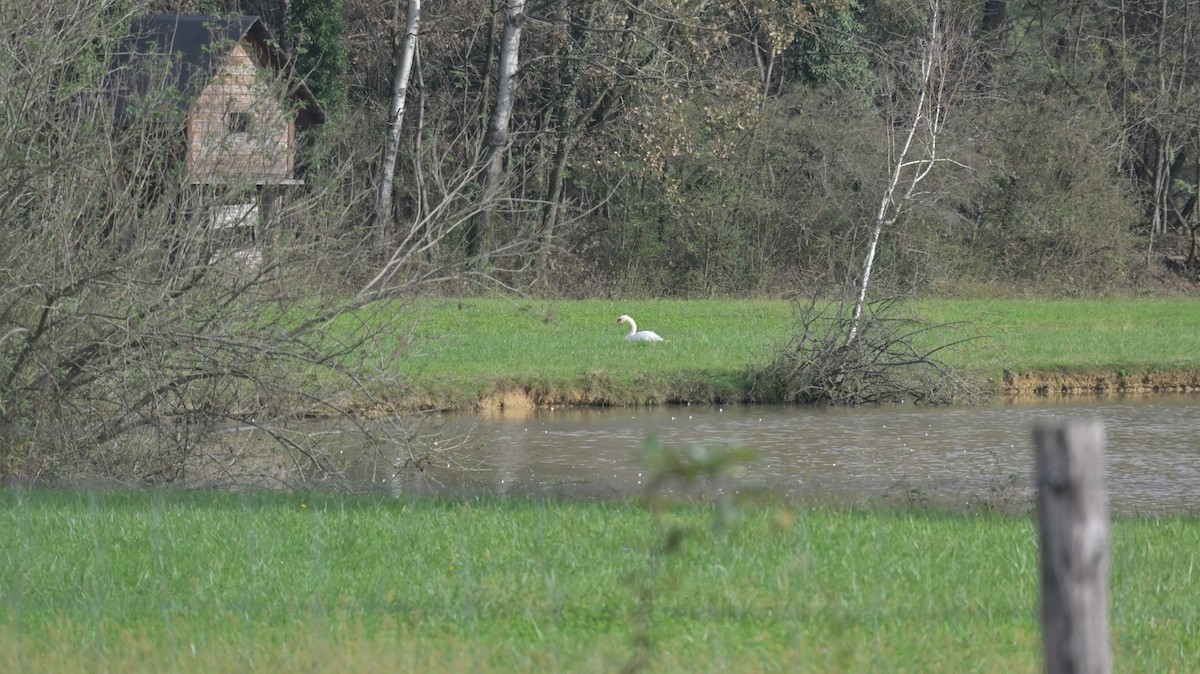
(634, 335)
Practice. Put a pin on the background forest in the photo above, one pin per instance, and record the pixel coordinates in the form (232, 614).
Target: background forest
(700, 147)
(716, 147)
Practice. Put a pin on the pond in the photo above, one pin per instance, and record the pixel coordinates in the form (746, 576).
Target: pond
(947, 455)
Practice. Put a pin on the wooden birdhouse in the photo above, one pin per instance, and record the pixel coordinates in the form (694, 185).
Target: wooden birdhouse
(241, 105)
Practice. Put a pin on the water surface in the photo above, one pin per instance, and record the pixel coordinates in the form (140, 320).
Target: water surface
(951, 455)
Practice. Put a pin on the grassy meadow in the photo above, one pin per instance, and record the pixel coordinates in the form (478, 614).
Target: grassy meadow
(207, 582)
(1047, 335)
(464, 350)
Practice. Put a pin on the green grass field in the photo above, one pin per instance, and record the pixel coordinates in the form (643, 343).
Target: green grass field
(1028, 335)
(466, 349)
(210, 582)
(469, 348)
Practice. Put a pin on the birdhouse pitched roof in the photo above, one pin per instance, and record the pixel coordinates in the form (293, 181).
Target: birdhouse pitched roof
(195, 47)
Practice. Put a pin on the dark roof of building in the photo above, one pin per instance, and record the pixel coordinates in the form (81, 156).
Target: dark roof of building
(195, 47)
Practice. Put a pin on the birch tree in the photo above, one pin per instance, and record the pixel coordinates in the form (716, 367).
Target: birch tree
(407, 47)
(915, 153)
(479, 233)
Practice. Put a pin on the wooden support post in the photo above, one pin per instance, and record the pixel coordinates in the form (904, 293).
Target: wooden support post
(1074, 539)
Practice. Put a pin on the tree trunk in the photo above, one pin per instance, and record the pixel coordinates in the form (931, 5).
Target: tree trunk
(993, 15)
(489, 50)
(927, 121)
(480, 233)
(407, 47)
(570, 71)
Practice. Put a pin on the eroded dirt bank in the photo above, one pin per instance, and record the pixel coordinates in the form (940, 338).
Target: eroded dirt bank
(1014, 385)
(1099, 382)
(511, 397)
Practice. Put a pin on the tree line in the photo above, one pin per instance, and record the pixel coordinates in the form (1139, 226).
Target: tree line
(682, 148)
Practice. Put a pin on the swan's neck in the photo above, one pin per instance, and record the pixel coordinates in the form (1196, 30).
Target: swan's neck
(632, 326)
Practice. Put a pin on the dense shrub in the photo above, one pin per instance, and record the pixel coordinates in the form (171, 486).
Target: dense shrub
(882, 358)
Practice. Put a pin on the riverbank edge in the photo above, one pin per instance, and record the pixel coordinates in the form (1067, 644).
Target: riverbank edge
(506, 396)
(1069, 381)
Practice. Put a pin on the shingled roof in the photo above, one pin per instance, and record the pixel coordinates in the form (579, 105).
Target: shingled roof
(195, 46)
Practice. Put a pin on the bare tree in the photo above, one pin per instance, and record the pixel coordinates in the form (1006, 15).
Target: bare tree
(137, 339)
(570, 60)
(915, 152)
(480, 232)
(404, 62)
(449, 204)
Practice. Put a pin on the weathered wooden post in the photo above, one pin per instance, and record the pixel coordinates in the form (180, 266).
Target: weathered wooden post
(1074, 539)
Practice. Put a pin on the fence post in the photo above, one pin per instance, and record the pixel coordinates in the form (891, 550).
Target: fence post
(1074, 539)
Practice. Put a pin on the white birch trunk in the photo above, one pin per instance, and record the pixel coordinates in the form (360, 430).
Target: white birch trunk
(907, 173)
(383, 205)
(478, 238)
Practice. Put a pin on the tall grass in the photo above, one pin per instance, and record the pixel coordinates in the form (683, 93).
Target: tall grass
(192, 582)
(464, 349)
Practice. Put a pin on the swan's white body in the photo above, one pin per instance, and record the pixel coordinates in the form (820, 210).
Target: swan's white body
(634, 335)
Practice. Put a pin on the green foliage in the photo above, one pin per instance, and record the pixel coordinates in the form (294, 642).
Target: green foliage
(829, 50)
(1055, 212)
(315, 42)
(694, 472)
(674, 475)
(741, 199)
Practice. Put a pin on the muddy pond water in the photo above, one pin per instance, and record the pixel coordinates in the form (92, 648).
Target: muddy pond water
(946, 455)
